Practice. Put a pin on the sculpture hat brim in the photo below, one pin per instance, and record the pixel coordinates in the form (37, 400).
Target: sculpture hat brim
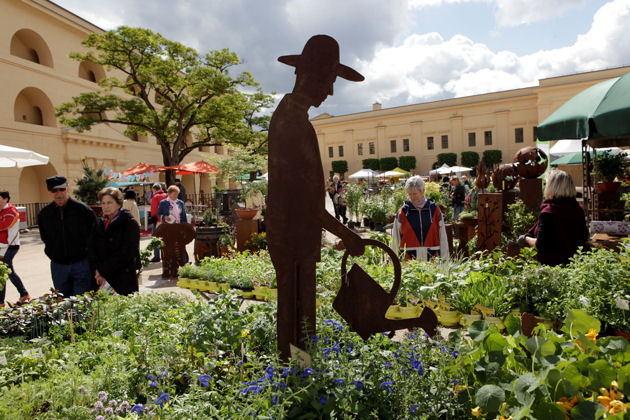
(320, 54)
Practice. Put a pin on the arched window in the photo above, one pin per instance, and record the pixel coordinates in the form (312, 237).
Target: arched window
(27, 44)
(90, 71)
(32, 106)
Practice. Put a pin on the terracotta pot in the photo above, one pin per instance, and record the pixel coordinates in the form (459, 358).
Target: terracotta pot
(604, 187)
(623, 334)
(246, 214)
(470, 221)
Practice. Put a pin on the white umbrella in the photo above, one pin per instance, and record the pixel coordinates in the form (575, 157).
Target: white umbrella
(364, 173)
(442, 170)
(10, 157)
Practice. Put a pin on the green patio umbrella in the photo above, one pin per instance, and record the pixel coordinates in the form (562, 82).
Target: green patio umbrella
(570, 159)
(602, 110)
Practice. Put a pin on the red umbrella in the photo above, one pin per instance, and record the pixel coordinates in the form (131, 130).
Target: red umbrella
(142, 167)
(200, 167)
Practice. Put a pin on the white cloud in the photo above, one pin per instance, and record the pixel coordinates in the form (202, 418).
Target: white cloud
(420, 4)
(512, 13)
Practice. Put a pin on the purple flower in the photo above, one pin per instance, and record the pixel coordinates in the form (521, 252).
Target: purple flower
(314, 338)
(274, 400)
(162, 399)
(411, 336)
(205, 380)
(254, 389)
(153, 384)
(455, 354)
(137, 408)
(338, 381)
(413, 409)
(358, 385)
(113, 403)
(109, 411)
(286, 371)
(279, 384)
(269, 373)
(326, 351)
(387, 385)
(82, 390)
(98, 405)
(387, 364)
(99, 418)
(322, 399)
(151, 377)
(307, 372)
(102, 396)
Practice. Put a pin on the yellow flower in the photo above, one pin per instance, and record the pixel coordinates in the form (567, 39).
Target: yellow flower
(502, 411)
(459, 388)
(567, 405)
(591, 334)
(245, 334)
(477, 411)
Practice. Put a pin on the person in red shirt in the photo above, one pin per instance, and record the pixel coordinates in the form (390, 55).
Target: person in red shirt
(10, 243)
(158, 195)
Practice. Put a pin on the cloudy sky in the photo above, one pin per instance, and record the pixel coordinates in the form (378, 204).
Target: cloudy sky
(409, 51)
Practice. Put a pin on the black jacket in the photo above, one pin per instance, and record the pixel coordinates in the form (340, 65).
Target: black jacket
(66, 231)
(115, 252)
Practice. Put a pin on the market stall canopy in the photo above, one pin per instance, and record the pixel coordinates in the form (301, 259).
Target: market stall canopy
(576, 157)
(402, 171)
(457, 169)
(391, 174)
(364, 173)
(442, 170)
(600, 111)
(10, 157)
(264, 176)
(142, 167)
(199, 167)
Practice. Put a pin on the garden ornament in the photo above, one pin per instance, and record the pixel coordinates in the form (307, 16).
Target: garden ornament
(296, 212)
(504, 177)
(530, 162)
(483, 178)
(175, 237)
(362, 302)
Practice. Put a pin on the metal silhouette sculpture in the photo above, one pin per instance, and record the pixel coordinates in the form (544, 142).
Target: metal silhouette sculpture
(483, 178)
(530, 162)
(297, 214)
(175, 237)
(362, 302)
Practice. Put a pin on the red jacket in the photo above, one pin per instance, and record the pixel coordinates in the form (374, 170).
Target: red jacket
(155, 202)
(9, 216)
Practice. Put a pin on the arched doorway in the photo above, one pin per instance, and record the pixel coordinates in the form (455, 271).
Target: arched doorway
(32, 186)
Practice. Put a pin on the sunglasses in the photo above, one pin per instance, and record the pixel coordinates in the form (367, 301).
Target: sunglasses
(57, 189)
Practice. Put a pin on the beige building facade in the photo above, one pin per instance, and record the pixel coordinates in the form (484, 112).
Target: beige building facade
(36, 37)
(501, 120)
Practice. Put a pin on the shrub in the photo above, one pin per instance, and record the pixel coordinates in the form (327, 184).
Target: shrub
(449, 158)
(407, 162)
(340, 166)
(470, 159)
(492, 157)
(371, 163)
(388, 163)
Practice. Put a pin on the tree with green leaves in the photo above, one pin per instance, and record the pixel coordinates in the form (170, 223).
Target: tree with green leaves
(470, 159)
(340, 166)
(165, 89)
(449, 158)
(492, 157)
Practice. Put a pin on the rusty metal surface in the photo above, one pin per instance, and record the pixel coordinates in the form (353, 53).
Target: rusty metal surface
(296, 212)
(483, 178)
(362, 302)
(490, 221)
(531, 192)
(504, 177)
(530, 162)
(175, 237)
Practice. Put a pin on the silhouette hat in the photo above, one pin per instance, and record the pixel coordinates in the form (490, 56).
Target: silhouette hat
(321, 53)
(56, 181)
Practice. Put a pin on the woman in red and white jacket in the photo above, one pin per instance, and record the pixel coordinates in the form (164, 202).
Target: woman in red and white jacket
(10, 244)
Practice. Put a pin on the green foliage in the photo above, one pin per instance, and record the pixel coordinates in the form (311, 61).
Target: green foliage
(388, 163)
(519, 218)
(407, 162)
(92, 181)
(171, 92)
(340, 166)
(353, 195)
(241, 160)
(492, 157)
(449, 158)
(371, 163)
(4, 274)
(147, 253)
(470, 159)
(609, 166)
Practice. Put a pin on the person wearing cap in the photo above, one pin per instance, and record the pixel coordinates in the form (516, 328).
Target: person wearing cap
(10, 245)
(66, 227)
(295, 217)
(131, 205)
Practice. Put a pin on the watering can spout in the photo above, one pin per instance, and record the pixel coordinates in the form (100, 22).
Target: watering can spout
(362, 302)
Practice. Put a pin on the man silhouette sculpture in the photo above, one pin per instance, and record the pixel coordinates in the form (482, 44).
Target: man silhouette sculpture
(295, 216)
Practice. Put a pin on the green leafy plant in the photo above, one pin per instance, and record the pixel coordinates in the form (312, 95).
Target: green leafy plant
(470, 159)
(519, 218)
(353, 195)
(449, 158)
(407, 162)
(92, 181)
(340, 166)
(492, 157)
(388, 163)
(609, 166)
(371, 163)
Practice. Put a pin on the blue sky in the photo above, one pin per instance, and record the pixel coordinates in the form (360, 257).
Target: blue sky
(410, 51)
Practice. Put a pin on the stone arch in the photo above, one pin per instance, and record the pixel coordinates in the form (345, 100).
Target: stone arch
(90, 71)
(32, 183)
(33, 106)
(29, 45)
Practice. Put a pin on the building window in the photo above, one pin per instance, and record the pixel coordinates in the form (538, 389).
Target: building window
(518, 135)
(360, 149)
(487, 138)
(371, 147)
(445, 141)
(472, 139)
(330, 152)
(340, 151)
(405, 145)
(430, 143)
(392, 146)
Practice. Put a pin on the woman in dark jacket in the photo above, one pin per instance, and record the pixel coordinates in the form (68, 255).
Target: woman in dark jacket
(116, 245)
(561, 227)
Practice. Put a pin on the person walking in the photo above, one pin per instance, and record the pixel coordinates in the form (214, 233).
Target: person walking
(156, 199)
(458, 195)
(66, 227)
(182, 190)
(10, 245)
(131, 205)
(115, 250)
(333, 189)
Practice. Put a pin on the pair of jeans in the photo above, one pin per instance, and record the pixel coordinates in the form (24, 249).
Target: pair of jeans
(15, 279)
(72, 279)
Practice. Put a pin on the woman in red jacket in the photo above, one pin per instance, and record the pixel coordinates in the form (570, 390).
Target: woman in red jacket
(10, 244)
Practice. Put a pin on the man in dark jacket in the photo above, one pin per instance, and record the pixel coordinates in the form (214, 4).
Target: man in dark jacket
(66, 227)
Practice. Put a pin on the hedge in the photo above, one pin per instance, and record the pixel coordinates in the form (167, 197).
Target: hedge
(470, 159)
(407, 162)
(371, 163)
(340, 166)
(388, 163)
(492, 156)
(449, 158)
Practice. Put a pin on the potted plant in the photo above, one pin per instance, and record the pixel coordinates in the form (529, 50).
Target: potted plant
(353, 196)
(610, 166)
(92, 181)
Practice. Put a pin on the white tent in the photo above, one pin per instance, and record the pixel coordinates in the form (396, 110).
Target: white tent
(567, 147)
(442, 170)
(364, 173)
(10, 157)
(391, 174)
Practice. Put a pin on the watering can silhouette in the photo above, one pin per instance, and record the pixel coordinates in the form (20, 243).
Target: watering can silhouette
(362, 302)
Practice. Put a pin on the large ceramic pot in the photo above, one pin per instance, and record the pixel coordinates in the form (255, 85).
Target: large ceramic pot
(246, 214)
(206, 241)
(604, 187)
